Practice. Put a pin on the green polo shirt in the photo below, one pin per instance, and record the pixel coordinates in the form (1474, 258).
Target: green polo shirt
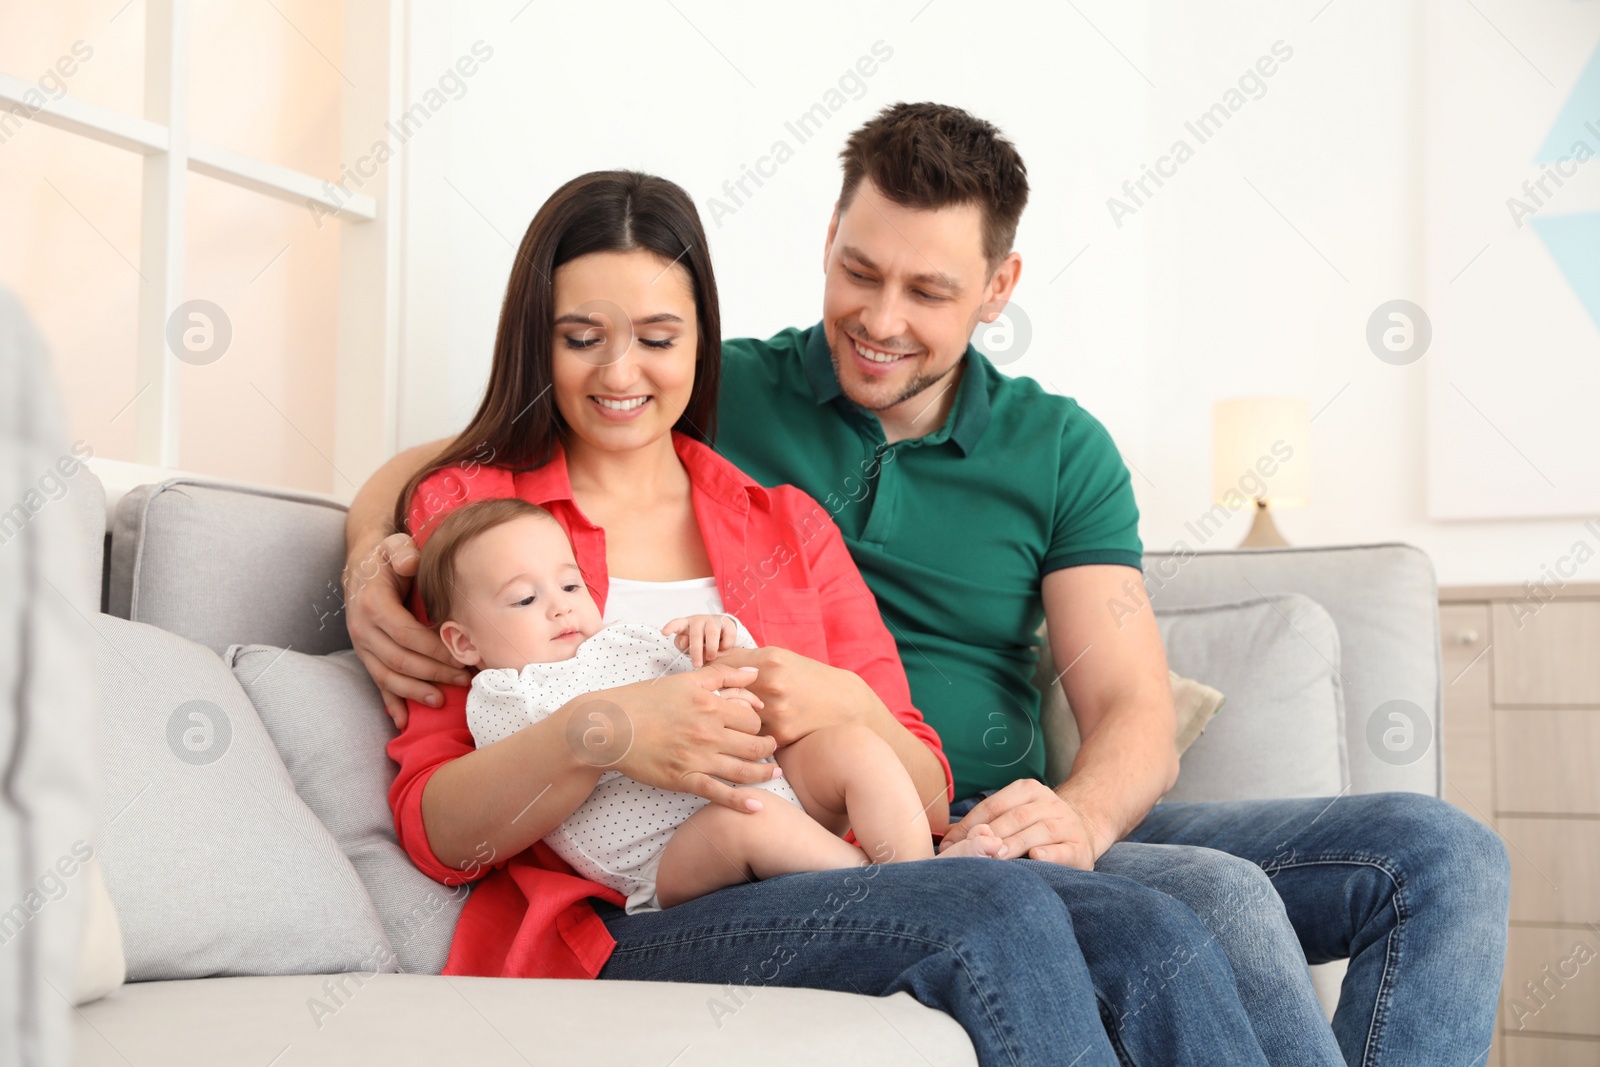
(953, 531)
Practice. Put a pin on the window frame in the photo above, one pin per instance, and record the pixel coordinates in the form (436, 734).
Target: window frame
(369, 269)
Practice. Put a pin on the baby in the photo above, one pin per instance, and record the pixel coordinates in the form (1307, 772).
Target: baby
(499, 581)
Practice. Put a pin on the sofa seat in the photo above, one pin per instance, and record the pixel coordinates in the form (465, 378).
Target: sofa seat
(401, 1019)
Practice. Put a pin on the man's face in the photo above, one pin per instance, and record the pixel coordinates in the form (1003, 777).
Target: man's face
(904, 290)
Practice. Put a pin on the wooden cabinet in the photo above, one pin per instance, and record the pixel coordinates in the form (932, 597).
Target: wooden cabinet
(1521, 736)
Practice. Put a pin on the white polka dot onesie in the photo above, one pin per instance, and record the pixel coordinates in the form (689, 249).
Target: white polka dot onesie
(617, 835)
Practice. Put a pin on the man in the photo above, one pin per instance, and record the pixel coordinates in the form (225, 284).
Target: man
(977, 504)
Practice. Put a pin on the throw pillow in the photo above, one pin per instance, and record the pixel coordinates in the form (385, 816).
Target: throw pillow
(216, 867)
(326, 718)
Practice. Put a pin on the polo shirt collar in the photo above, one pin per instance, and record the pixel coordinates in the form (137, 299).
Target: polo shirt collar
(819, 366)
(968, 418)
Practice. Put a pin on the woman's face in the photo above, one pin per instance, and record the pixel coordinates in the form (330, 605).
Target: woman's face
(624, 345)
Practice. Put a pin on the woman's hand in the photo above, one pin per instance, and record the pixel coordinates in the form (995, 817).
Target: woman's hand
(799, 694)
(680, 733)
(675, 732)
(400, 653)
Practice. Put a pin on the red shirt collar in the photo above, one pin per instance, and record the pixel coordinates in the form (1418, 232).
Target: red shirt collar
(721, 496)
(711, 474)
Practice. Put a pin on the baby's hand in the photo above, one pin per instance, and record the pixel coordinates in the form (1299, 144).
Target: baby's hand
(703, 636)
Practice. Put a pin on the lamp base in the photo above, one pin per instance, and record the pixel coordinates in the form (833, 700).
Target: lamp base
(1263, 532)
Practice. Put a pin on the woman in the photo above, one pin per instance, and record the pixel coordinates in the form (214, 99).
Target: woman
(599, 407)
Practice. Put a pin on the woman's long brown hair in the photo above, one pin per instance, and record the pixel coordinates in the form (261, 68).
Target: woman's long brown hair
(517, 425)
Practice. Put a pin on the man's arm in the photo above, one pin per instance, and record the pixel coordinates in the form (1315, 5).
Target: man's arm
(371, 516)
(401, 654)
(1121, 697)
(1115, 674)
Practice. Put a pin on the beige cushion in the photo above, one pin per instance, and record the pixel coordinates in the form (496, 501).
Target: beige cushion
(399, 1020)
(101, 965)
(1195, 702)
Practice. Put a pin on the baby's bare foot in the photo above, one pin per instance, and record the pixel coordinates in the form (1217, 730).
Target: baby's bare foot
(980, 841)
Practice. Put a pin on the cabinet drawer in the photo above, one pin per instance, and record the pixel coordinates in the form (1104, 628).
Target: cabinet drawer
(1555, 870)
(1566, 990)
(1545, 760)
(1547, 656)
(1525, 1051)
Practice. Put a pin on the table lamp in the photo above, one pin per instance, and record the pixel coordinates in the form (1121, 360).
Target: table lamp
(1260, 452)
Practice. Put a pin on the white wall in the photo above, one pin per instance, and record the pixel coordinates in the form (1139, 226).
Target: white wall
(1240, 303)
(1204, 292)
(624, 85)
(1518, 343)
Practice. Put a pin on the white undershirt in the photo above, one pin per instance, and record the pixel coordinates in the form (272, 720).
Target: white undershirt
(658, 603)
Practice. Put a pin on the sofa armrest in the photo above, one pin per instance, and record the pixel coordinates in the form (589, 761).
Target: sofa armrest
(224, 563)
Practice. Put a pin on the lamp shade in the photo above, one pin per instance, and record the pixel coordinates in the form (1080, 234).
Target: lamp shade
(1260, 450)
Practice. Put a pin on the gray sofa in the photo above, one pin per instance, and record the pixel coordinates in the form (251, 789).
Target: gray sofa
(1310, 646)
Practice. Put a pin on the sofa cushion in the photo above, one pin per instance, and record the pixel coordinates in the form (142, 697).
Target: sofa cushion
(401, 1019)
(1282, 735)
(214, 864)
(226, 564)
(1385, 603)
(327, 720)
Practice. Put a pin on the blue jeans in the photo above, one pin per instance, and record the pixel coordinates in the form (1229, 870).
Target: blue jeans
(1410, 889)
(1415, 893)
(1239, 908)
(1237, 905)
(1039, 963)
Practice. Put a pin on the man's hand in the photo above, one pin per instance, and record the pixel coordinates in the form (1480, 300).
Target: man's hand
(799, 695)
(400, 653)
(1034, 821)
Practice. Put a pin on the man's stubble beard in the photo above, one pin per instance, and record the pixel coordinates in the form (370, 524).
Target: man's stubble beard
(918, 384)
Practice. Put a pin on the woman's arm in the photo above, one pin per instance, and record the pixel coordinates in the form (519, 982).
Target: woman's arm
(494, 802)
(459, 810)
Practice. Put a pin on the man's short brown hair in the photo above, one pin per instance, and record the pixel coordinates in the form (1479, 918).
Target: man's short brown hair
(930, 156)
(436, 572)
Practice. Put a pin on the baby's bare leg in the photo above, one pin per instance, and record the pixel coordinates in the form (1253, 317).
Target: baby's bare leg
(717, 847)
(848, 778)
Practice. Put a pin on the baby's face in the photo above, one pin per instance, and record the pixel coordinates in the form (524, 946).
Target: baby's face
(521, 598)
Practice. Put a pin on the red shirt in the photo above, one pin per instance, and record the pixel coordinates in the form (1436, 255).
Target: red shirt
(781, 567)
